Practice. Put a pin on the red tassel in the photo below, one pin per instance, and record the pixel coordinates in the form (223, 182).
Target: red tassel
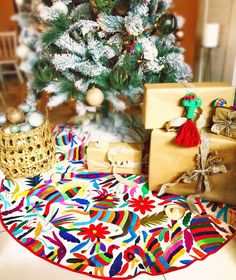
(188, 135)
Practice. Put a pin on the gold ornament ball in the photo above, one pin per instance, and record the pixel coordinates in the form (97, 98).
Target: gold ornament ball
(95, 97)
(15, 115)
(6, 129)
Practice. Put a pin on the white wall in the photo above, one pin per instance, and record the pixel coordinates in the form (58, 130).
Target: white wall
(224, 13)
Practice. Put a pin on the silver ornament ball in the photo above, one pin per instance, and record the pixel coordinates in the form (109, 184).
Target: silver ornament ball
(3, 119)
(35, 119)
(25, 127)
(26, 108)
(15, 129)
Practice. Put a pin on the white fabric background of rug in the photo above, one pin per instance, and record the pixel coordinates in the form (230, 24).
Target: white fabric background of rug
(16, 263)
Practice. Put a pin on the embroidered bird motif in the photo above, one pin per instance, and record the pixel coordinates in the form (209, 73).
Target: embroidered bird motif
(99, 261)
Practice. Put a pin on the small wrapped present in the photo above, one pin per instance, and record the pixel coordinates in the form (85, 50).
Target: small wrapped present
(122, 158)
(162, 101)
(224, 122)
(168, 163)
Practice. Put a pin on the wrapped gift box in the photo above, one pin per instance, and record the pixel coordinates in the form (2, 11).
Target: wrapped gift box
(162, 102)
(168, 162)
(122, 158)
(224, 122)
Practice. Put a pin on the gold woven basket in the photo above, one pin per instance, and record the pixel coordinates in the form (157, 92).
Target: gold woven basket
(25, 155)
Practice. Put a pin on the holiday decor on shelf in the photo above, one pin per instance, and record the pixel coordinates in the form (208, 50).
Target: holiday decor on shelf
(100, 51)
(27, 147)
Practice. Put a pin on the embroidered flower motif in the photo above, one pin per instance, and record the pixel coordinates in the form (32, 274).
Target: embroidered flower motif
(142, 204)
(94, 232)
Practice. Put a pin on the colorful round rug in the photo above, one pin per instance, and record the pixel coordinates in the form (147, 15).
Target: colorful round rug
(92, 224)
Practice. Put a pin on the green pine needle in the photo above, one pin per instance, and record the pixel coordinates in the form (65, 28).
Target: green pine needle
(62, 22)
(51, 35)
(102, 81)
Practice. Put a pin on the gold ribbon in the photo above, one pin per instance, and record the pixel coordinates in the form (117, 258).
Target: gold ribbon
(101, 166)
(228, 125)
(199, 175)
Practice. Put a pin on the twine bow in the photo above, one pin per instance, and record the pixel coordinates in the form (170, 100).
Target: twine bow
(207, 164)
(112, 164)
(229, 125)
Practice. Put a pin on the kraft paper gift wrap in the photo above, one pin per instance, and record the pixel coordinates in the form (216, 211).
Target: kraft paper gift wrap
(168, 162)
(162, 102)
(121, 158)
(224, 122)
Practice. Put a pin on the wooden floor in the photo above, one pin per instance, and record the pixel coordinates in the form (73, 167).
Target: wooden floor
(15, 93)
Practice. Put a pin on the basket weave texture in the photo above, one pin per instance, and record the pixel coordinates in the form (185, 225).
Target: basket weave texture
(25, 155)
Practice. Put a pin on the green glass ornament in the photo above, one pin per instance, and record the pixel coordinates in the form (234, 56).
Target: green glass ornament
(119, 78)
(43, 71)
(166, 24)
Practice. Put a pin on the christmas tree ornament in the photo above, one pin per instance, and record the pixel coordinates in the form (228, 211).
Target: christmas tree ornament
(7, 129)
(220, 102)
(166, 24)
(35, 119)
(61, 7)
(3, 118)
(25, 127)
(121, 8)
(127, 42)
(94, 97)
(15, 129)
(188, 135)
(136, 48)
(26, 108)
(22, 51)
(15, 115)
(43, 71)
(119, 78)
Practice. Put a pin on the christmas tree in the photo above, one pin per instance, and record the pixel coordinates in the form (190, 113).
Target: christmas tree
(96, 51)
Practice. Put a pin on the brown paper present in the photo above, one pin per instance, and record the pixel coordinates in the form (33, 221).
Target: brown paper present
(224, 122)
(121, 158)
(162, 102)
(168, 162)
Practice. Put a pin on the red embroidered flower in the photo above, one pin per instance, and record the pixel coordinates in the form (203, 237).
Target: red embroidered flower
(142, 204)
(94, 232)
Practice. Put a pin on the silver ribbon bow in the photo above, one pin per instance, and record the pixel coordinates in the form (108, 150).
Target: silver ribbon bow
(199, 175)
(229, 125)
